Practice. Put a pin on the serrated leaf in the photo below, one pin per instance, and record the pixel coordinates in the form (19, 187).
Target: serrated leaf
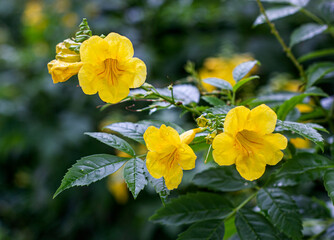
(329, 183)
(159, 186)
(242, 82)
(193, 207)
(113, 141)
(214, 101)
(305, 32)
(306, 164)
(90, 169)
(134, 131)
(317, 71)
(281, 210)
(240, 71)
(302, 129)
(134, 175)
(225, 179)
(276, 13)
(288, 105)
(254, 226)
(316, 54)
(219, 83)
(206, 230)
(219, 109)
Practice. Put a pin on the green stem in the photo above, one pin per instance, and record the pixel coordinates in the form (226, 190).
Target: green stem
(241, 205)
(286, 49)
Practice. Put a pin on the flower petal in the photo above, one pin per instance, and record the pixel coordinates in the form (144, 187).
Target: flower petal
(262, 120)
(62, 71)
(112, 92)
(186, 157)
(133, 72)
(224, 152)
(236, 119)
(188, 136)
(120, 47)
(173, 176)
(170, 135)
(154, 165)
(88, 79)
(94, 50)
(250, 167)
(277, 140)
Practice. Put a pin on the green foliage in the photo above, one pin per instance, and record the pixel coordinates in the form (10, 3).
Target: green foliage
(316, 54)
(281, 211)
(90, 169)
(254, 226)
(193, 207)
(134, 131)
(205, 230)
(305, 130)
(134, 175)
(159, 186)
(306, 32)
(219, 83)
(240, 71)
(318, 71)
(276, 13)
(329, 183)
(112, 141)
(213, 100)
(225, 179)
(242, 82)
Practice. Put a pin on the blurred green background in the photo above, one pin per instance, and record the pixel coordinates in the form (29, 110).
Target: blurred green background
(42, 124)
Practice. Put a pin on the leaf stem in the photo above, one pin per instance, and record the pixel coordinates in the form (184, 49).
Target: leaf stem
(241, 205)
(286, 49)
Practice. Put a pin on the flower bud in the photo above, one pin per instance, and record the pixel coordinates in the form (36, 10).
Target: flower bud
(202, 121)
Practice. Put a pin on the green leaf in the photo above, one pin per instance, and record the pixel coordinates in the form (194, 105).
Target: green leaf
(316, 54)
(300, 3)
(90, 169)
(113, 141)
(193, 207)
(134, 131)
(219, 83)
(134, 175)
(158, 123)
(302, 129)
(185, 93)
(242, 82)
(317, 71)
(276, 13)
(240, 71)
(206, 230)
(219, 109)
(281, 210)
(230, 229)
(272, 99)
(225, 179)
(254, 226)
(311, 207)
(305, 32)
(214, 101)
(329, 183)
(159, 186)
(305, 164)
(288, 105)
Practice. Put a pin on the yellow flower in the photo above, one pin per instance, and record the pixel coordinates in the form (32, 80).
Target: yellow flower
(66, 64)
(221, 68)
(169, 153)
(300, 142)
(109, 67)
(248, 141)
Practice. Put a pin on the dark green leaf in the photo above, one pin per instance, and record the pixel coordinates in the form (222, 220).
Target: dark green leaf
(302, 129)
(311, 207)
(254, 226)
(90, 169)
(305, 32)
(306, 164)
(288, 105)
(206, 230)
(281, 210)
(159, 186)
(317, 71)
(276, 13)
(219, 109)
(134, 131)
(214, 101)
(316, 54)
(242, 82)
(219, 83)
(193, 207)
(134, 175)
(329, 183)
(225, 179)
(113, 141)
(273, 99)
(240, 71)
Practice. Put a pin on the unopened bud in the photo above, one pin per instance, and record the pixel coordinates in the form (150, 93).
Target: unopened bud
(209, 138)
(202, 121)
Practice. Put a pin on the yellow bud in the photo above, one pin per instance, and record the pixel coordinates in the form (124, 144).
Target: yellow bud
(188, 136)
(65, 54)
(202, 121)
(209, 138)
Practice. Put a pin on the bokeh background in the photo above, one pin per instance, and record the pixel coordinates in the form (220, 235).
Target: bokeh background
(42, 124)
